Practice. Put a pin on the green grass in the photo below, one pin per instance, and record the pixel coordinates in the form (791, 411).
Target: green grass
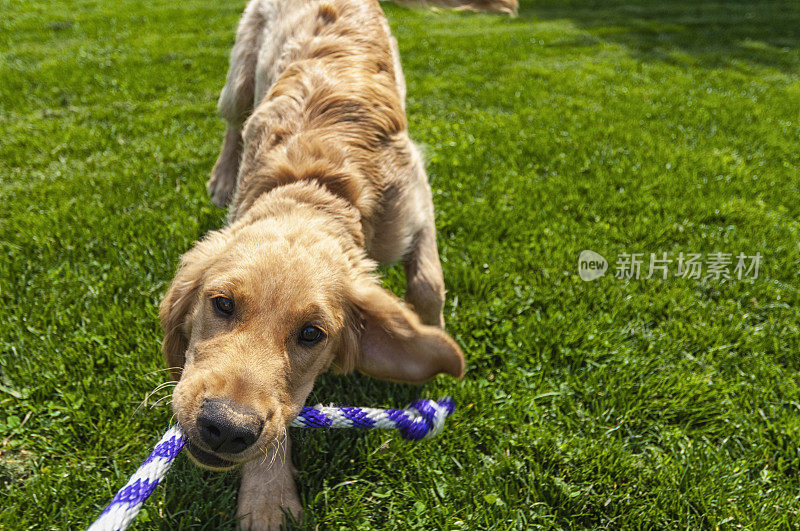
(616, 126)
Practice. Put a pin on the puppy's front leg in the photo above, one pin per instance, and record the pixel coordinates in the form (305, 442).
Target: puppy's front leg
(267, 490)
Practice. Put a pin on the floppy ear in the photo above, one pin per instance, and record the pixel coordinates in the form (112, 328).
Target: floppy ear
(394, 345)
(180, 299)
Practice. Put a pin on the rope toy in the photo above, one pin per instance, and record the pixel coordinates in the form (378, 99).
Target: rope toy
(422, 419)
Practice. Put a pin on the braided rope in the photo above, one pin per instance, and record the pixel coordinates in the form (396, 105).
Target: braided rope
(422, 419)
(125, 505)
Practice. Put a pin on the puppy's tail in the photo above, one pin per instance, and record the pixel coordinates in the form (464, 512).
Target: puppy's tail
(508, 7)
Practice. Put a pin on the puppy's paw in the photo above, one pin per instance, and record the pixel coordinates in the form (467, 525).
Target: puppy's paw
(220, 185)
(263, 513)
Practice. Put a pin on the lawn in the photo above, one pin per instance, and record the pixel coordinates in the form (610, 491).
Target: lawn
(616, 126)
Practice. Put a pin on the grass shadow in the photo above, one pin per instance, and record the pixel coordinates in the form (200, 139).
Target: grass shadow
(732, 34)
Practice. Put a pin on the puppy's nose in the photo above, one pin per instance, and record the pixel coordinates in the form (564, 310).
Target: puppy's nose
(226, 427)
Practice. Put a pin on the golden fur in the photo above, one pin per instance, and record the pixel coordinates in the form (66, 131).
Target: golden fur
(323, 183)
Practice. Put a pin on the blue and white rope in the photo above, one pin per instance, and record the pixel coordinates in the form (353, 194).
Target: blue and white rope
(125, 505)
(422, 419)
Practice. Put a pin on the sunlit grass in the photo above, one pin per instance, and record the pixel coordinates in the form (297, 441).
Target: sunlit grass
(619, 127)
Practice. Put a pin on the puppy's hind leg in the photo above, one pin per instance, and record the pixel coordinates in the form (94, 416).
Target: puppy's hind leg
(236, 103)
(223, 177)
(424, 279)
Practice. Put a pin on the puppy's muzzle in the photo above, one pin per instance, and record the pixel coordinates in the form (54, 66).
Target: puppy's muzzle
(227, 427)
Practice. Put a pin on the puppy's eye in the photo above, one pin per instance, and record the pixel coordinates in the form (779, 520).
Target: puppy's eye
(310, 335)
(223, 305)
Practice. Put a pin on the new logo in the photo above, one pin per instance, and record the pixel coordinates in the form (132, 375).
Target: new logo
(591, 265)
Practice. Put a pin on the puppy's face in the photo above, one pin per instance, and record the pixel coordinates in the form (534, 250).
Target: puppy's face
(255, 314)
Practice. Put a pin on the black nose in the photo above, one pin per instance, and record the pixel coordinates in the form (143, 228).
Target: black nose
(226, 427)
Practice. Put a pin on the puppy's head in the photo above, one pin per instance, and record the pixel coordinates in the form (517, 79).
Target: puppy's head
(257, 312)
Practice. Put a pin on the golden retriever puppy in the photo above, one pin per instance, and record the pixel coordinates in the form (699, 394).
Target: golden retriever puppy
(323, 183)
